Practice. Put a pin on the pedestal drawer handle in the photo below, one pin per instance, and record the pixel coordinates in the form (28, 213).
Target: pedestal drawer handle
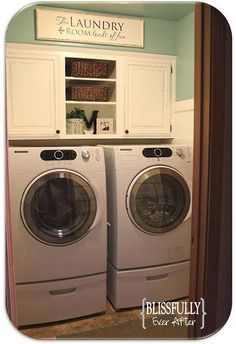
(62, 291)
(156, 277)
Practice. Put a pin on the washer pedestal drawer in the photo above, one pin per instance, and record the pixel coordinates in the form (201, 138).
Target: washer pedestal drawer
(127, 288)
(58, 300)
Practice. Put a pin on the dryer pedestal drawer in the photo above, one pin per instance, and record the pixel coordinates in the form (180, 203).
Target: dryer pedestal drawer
(127, 288)
(53, 301)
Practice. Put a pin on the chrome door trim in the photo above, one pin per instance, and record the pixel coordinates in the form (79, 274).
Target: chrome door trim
(50, 175)
(133, 187)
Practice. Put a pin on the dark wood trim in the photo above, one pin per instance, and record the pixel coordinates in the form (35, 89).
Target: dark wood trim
(211, 220)
(218, 281)
(201, 153)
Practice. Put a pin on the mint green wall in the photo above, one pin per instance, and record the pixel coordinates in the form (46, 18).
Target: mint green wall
(160, 35)
(185, 60)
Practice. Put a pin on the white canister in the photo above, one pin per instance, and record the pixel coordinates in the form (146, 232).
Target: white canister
(74, 126)
(79, 126)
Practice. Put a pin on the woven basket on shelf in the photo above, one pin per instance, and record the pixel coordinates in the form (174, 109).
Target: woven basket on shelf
(87, 68)
(88, 93)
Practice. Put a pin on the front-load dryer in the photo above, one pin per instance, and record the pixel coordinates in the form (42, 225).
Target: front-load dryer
(58, 217)
(149, 218)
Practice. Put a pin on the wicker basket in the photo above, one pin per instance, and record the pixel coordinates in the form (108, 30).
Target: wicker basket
(88, 93)
(87, 68)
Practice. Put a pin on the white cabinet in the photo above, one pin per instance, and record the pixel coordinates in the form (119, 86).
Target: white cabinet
(148, 97)
(141, 92)
(32, 95)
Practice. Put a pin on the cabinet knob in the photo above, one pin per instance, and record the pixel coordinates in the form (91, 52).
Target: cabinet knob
(127, 131)
(57, 131)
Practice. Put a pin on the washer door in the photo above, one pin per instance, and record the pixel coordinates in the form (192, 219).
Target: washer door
(158, 200)
(58, 207)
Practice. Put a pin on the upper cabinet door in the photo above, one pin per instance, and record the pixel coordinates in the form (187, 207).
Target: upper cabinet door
(32, 95)
(148, 98)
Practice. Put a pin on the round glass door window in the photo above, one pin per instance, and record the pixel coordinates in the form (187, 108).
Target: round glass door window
(58, 207)
(158, 200)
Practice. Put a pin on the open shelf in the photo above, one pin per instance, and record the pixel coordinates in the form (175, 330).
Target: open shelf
(88, 102)
(89, 79)
(76, 79)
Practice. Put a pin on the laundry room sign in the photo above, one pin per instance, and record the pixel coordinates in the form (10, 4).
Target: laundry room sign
(86, 27)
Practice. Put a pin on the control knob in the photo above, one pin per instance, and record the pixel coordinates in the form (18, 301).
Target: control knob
(58, 154)
(180, 152)
(157, 152)
(85, 154)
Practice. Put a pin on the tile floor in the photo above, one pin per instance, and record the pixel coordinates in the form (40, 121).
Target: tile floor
(86, 327)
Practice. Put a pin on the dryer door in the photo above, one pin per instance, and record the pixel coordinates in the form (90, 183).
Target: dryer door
(58, 207)
(158, 200)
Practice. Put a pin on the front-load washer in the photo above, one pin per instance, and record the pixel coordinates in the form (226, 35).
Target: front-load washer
(149, 218)
(58, 217)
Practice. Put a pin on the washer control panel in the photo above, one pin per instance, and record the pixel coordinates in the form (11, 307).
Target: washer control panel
(58, 154)
(157, 152)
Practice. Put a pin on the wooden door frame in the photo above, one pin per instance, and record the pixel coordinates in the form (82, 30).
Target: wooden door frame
(211, 266)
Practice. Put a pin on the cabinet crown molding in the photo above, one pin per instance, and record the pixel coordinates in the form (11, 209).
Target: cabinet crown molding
(65, 49)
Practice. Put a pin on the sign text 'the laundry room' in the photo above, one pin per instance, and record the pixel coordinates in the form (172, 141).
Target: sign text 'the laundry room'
(85, 27)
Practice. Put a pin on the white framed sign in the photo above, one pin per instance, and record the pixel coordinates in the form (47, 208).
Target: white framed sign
(87, 27)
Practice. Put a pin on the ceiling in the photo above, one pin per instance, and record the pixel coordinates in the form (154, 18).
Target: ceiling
(173, 11)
